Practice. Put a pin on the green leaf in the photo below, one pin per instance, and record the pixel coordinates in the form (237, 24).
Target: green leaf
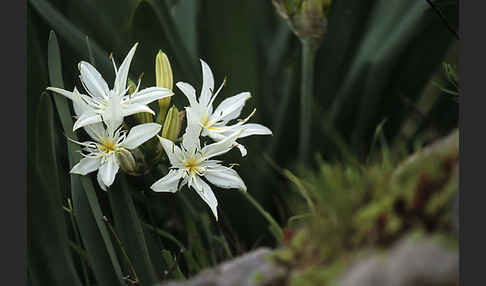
(50, 257)
(153, 25)
(74, 37)
(55, 77)
(129, 230)
(185, 16)
(384, 61)
(174, 269)
(99, 256)
(86, 206)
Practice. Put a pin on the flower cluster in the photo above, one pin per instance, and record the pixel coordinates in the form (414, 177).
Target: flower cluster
(101, 111)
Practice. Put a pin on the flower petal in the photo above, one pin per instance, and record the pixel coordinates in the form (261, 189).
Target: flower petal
(254, 129)
(197, 114)
(224, 177)
(172, 151)
(113, 114)
(79, 105)
(208, 84)
(100, 181)
(132, 108)
(122, 74)
(220, 147)
(108, 170)
(92, 80)
(86, 119)
(190, 139)
(95, 131)
(147, 95)
(139, 134)
(168, 183)
(86, 166)
(61, 91)
(231, 107)
(188, 91)
(242, 149)
(205, 192)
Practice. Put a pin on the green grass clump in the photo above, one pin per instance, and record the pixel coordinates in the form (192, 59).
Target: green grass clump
(371, 205)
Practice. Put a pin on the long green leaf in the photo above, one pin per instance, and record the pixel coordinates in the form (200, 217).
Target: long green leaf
(384, 60)
(72, 35)
(130, 231)
(50, 257)
(86, 206)
(183, 57)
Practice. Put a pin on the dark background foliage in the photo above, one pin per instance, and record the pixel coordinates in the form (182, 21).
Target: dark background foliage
(379, 62)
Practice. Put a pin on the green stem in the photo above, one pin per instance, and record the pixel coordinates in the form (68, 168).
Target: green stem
(77, 236)
(306, 89)
(302, 190)
(164, 234)
(122, 248)
(266, 215)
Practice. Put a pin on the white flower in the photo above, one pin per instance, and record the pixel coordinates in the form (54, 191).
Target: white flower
(111, 106)
(109, 147)
(214, 123)
(190, 163)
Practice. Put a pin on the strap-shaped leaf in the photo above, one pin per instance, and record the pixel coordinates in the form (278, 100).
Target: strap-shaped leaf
(129, 230)
(86, 206)
(74, 37)
(183, 59)
(50, 257)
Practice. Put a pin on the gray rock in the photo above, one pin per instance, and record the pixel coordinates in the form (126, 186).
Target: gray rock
(251, 269)
(412, 262)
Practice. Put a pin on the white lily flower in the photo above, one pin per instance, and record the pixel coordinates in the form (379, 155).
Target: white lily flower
(215, 123)
(109, 147)
(111, 106)
(190, 163)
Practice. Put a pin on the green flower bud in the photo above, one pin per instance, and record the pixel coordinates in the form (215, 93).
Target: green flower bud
(306, 18)
(172, 124)
(163, 77)
(130, 164)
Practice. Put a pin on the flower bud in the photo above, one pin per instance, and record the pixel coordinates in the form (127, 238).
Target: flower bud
(306, 18)
(172, 124)
(130, 165)
(163, 77)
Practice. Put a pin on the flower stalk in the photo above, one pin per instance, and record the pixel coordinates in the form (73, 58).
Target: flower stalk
(306, 93)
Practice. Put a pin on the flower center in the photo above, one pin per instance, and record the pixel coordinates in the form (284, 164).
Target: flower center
(205, 121)
(192, 166)
(107, 146)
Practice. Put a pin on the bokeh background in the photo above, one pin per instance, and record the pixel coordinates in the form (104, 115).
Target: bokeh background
(379, 67)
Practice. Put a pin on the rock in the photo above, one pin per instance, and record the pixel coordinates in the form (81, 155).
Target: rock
(412, 262)
(251, 269)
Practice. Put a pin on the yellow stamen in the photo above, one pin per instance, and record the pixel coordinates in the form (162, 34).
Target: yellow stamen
(107, 146)
(192, 166)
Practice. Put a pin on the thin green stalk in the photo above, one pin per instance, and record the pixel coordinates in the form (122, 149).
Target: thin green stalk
(266, 215)
(77, 236)
(164, 234)
(306, 93)
(298, 217)
(222, 240)
(122, 248)
(302, 190)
